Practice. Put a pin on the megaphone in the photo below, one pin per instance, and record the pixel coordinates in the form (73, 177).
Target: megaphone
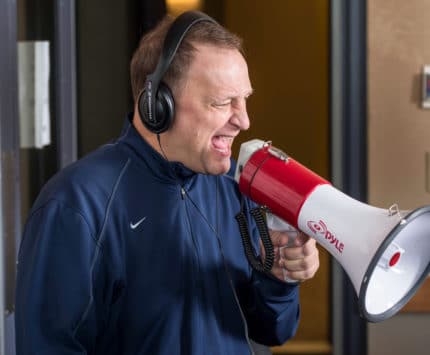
(385, 252)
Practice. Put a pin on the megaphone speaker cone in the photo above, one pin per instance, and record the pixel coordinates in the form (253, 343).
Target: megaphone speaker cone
(385, 289)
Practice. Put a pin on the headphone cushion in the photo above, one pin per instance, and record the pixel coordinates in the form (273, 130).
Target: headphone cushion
(161, 117)
(164, 107)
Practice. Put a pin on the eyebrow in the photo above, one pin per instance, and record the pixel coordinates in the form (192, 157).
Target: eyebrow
(229, 97)
(247, 94)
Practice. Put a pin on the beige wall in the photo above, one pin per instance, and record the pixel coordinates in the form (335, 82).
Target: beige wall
(398, 138)
(399, 129)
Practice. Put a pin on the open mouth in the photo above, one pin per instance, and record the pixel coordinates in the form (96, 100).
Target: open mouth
(222, 144)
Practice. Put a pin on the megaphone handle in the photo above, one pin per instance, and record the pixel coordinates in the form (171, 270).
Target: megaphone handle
(277, 224)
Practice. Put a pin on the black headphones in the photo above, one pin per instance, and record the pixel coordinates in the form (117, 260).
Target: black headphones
(155, 103)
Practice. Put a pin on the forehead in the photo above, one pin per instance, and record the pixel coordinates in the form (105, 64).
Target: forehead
(222, 68)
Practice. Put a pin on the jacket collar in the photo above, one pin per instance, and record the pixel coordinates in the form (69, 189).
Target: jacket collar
(146, 154)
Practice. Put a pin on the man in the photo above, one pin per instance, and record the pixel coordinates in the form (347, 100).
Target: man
(134, 249)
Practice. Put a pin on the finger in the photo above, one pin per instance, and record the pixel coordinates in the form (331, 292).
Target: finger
(295, 239)
(292, 253)
(278, 238)
(309, 247)
(306, 263)
(302, 274)
(295, 260)
(299, 251)
(301, 239)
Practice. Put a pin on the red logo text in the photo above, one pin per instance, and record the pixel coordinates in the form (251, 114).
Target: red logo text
(320, 228)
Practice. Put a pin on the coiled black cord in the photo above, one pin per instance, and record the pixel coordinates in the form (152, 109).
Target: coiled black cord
(253, 259)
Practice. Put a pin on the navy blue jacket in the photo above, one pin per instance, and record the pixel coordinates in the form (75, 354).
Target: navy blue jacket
(125, 253)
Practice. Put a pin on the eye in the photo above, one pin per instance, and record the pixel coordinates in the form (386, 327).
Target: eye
(222, 103)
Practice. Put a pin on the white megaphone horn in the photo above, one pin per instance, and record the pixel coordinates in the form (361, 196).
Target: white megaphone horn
(386, 253)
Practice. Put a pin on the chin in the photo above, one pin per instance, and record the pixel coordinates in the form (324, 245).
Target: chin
(220, 168)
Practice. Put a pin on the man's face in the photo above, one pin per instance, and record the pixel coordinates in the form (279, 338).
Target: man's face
(210, 110)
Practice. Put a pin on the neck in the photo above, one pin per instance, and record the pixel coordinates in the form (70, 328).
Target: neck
(147, 135)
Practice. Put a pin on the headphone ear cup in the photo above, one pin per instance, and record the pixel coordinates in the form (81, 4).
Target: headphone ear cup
(161, 117)
(164, 108)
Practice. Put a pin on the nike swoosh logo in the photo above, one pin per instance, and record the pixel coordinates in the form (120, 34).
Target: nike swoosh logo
(135, 225)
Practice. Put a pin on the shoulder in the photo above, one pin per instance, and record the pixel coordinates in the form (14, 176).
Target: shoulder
(87, 184)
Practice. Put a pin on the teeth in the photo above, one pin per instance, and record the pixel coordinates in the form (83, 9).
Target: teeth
(227, 138)
(222, 143)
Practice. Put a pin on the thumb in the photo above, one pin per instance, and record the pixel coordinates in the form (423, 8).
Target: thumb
(300, 240)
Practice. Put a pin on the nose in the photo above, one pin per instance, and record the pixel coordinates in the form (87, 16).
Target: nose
(240, 117)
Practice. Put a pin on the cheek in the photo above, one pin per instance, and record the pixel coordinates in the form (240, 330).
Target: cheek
(189, 132)
(199, 123)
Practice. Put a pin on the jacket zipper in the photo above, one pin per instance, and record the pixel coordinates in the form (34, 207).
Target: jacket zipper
(193, 237)
(184, 195)
(196, 252)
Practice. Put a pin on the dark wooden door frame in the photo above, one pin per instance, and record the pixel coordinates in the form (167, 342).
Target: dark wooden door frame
(348, 153)
(10, 224)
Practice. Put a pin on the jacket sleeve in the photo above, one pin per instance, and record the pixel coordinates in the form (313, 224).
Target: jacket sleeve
(271, 306)
(272, 310)
(55, 312)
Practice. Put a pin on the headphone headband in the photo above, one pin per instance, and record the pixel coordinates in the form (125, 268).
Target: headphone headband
(173, 40)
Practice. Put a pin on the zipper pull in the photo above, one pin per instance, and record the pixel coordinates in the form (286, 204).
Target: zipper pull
(183, 192)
